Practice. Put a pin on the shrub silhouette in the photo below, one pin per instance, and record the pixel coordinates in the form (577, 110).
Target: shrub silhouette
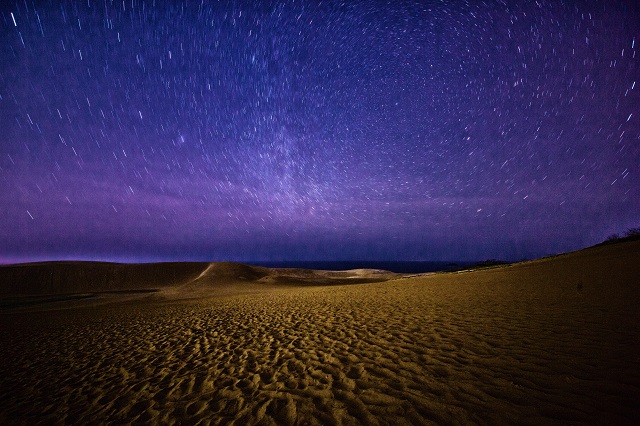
(630, 234)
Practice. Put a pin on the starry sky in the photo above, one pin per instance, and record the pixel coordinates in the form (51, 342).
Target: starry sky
(316, 130)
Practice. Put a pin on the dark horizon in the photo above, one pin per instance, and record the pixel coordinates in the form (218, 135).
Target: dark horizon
(410, 266)
(275, 261)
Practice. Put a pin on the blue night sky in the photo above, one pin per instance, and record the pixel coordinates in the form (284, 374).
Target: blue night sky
(309, 130)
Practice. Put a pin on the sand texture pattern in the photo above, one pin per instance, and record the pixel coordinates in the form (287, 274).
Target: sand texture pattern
(553, 341)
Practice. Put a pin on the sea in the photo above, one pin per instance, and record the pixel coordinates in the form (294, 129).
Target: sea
(406, 267)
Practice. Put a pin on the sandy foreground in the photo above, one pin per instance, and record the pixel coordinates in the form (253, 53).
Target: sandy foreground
(552, 341)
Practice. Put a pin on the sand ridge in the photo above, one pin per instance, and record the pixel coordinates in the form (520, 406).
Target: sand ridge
(553, 341)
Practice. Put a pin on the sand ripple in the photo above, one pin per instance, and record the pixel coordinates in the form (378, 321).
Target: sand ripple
(419, 351)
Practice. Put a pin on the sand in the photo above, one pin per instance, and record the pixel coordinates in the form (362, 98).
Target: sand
(552, 341)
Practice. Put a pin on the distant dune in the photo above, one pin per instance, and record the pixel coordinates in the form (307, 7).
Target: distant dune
(549, 341)
(33, 281)
(238, 272)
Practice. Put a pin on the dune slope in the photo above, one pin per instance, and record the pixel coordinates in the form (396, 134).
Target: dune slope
(552, 341)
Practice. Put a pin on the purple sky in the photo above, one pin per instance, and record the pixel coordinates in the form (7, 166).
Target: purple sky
(308, 130)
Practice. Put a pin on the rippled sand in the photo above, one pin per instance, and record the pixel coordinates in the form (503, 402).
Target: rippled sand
(550, 341)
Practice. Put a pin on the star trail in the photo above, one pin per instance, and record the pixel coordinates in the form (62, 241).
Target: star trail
(309, 130)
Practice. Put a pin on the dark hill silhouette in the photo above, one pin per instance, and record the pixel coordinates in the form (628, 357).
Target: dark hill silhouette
(77, 277)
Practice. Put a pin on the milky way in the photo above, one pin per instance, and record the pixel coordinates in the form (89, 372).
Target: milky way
(293, 130)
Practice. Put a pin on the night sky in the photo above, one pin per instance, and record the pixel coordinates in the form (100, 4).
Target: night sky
(307, 130)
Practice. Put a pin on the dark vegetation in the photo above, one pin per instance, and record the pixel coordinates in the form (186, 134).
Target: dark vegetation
(630, 234)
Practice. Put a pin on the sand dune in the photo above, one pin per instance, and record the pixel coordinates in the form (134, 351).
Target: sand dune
(552, 341)
(39, 284)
